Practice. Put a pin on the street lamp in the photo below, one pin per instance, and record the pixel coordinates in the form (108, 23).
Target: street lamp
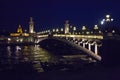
(107, 19)
(74, 29)
(57, 30)
(96, 27)
(83, 28)
(61, 29)
(53, 30)
(107, 16)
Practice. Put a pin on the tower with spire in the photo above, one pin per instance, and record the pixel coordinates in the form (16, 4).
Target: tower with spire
(31, 25)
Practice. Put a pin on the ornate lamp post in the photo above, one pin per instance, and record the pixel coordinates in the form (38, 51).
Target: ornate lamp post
(107, 22)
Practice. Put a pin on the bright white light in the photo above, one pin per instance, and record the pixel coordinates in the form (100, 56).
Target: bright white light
(113, 31)
(61, 29)
(102, 22)
(9, 39)
(107, 19)
(111, 19)
(107, 16)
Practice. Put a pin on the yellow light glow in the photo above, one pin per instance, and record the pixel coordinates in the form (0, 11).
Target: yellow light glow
(19, 30)
(79, 36)
(15, 34)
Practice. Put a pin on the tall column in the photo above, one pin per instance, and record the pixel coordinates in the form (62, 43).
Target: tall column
(31, 25)
(67, 27)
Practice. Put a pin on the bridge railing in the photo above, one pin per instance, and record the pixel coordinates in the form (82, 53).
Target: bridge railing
(79, 36)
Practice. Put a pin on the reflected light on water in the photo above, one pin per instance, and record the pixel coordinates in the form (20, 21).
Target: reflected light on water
(29, 54)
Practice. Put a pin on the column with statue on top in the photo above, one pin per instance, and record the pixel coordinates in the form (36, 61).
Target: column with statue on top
(66, 27)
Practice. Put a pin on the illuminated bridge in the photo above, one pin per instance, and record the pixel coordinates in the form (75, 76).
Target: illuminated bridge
(84, 39)
(88, 40)
(88, 44)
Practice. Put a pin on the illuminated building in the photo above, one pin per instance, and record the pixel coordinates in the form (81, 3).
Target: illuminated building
(31, 25)
(19, 32)
(67, 27)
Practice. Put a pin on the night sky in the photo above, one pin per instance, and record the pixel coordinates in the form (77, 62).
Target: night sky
(53, 13)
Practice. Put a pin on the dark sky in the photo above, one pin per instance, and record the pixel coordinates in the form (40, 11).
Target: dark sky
(53, 13)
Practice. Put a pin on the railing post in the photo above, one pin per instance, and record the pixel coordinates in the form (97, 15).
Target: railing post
(89, 46)
(96, 49)
(83, 45)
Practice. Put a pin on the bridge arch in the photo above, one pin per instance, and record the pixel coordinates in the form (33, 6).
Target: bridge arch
(89, 53)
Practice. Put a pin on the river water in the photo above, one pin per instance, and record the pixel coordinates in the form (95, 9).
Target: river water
(27, 56)
(33, 58)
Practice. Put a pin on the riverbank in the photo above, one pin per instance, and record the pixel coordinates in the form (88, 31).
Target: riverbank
(98, 73)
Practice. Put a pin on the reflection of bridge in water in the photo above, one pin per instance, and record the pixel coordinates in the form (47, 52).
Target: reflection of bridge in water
(88, 44)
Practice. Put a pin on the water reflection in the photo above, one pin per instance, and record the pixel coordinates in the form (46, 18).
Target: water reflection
(33, 58)
(11, 56)
(41, 56)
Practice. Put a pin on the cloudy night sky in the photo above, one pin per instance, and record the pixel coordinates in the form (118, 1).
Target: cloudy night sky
(49, 14)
